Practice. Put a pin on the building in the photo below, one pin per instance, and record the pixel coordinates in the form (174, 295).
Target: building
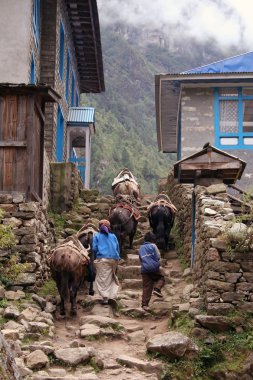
(53, 43)
(212, 103)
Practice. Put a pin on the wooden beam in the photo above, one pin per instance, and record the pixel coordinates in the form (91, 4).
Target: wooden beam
(14, 144)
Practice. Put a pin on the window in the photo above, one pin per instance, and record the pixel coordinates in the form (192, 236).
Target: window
(67, 77)
(32, 71)
(77, 99)
(36, 21)
(73, 91)
(233, 109)
(59, 135)
(61, 51)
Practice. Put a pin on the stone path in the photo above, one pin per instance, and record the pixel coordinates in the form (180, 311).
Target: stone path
(102, 342)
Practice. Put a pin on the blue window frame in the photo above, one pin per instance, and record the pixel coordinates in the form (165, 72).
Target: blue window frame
(77, 99)
(233, 113)
(67, 77)
(36, 21)
(73, 90)
(59, 135)
(61, 51)
(32, 71)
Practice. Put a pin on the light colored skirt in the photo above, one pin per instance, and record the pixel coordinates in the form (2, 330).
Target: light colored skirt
(106, 282)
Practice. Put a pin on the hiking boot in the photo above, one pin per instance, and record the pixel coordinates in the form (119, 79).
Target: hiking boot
(146, 308)
(157, 292)
(105, 301)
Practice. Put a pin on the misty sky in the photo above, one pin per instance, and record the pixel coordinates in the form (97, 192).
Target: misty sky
(230, 22)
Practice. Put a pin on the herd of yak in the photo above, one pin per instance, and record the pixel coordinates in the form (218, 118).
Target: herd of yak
(72, 262)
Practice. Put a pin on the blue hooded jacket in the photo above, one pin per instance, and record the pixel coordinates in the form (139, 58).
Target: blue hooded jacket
(149, 258)
(105, 246)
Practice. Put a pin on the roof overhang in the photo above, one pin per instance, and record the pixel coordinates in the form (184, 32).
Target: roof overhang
(209, 162)
(168, 89)
(84, 21)
(46, 92)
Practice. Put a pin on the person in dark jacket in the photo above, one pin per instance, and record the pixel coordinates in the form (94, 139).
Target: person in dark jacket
(152, 277)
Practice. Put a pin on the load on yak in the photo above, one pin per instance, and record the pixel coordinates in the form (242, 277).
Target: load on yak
(72, 264)
(161, 215)
(125, 183)
(124, 218)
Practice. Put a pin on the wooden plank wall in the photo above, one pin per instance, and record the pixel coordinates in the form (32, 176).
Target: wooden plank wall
(20, 145)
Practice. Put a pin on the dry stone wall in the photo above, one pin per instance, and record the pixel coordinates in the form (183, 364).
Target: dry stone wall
(33, 234)
(181, 197)
(224, 276)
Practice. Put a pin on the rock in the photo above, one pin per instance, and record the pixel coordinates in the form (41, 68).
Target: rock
(25, 278)
(2, 292)
(10, 334)
(45, 348)
(216, 188)
(214, 323)
(40, 301)
(14, 296)
(173, 344)
(50, 307)
(36, 360)
(39, 327)
(101, 321)
(141, 365)
(11, 312)
(12, 325)
(56, 372)
(29, 314)
(73, 356)
(237, 232)
(89, 330)
(137, 337)
(23, 370)
(187, 272)
(209, 212)
(219, 308)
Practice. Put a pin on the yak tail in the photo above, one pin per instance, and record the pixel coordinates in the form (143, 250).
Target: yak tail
(65, 285)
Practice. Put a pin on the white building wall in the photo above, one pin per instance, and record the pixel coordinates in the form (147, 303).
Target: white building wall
(15, 30)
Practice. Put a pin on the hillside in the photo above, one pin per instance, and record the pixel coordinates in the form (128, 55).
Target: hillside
(125, 113)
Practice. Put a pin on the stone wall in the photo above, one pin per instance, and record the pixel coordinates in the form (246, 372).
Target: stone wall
(224, 277)
(33, 234)
(181, 197)
(65, 186)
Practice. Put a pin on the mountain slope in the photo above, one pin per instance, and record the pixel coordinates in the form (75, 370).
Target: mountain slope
(125, 113)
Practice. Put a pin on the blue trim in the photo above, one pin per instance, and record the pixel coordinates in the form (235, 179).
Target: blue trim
(80, 162)
(36, 21)
(77, 99)
(32, 71)
(73, 90)
(59, 135)
(67, 77)
(240, 134)
(61, 50)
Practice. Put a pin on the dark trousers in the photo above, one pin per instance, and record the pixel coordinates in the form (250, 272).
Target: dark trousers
(149, 282)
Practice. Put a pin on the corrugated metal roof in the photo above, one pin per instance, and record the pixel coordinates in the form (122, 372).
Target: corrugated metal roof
(239, 63)
(79, 115)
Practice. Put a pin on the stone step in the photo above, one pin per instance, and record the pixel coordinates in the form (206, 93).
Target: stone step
(129, 272)
(131, 284)
(133, 259)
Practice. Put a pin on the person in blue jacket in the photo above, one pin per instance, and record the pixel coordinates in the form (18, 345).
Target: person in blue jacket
(152, 277)
(106, 250)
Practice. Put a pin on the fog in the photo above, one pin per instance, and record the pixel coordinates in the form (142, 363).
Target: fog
(229, 22)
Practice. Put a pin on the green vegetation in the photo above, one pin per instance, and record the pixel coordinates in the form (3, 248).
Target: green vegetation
(48, 288)
(227, 352)
(59, 223)
(7, 237)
